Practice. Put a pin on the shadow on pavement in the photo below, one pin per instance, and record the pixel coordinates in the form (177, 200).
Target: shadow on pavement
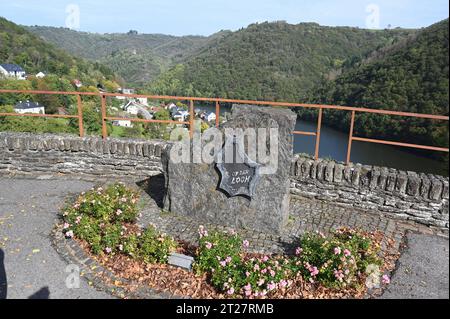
(3, 281)
(43, 293)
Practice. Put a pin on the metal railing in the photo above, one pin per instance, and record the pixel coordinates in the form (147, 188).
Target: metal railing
(218, 101)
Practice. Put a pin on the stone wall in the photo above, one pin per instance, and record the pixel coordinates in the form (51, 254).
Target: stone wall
(47, 153)
(408, 195)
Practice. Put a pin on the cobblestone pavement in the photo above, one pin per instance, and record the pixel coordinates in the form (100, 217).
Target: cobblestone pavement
(306, 215)
(29, 206)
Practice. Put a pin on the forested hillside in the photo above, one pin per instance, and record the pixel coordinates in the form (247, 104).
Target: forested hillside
(272, 61)
(19, 46)
(137, 58)
(34, 55)
(410, 77)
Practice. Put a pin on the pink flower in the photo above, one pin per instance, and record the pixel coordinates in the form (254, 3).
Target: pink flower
(283, 283)
(261, 282)
(223, 263)
(314, 271)
(69, 234)
(119, 211)
(77, 220)
(247, 274)
(298, 251)
(272, 273)
(208, 245)
(271, 286)
(337, 250)
(263, 271)
(265, 258)
(347, 252)
(256, 267)
(338, 274)
(230, 291)
(108, 250)
(66, 225)
(248, 287)
(385, 279)
(248, 293)
(228, 259)
(245, 244)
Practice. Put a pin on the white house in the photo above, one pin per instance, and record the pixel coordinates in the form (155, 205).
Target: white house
(40, 75)
(123, 123)
(143, 100)
(124, 91)
(77, 83)
(133, 107)
(171, 106)
(29, 107)
(12, 71)
(210, 117)
(181, 115)
(128, 91)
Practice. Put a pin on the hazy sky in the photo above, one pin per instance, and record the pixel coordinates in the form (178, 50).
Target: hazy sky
(205, 17)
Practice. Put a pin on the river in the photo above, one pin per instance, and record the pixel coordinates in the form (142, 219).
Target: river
(333, 144)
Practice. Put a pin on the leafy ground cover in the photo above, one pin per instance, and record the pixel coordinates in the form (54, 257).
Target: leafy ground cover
(345, 264)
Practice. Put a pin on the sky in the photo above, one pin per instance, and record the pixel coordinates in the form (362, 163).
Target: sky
(205, 17)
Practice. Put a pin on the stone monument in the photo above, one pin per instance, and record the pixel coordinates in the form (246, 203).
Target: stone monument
(243, 193)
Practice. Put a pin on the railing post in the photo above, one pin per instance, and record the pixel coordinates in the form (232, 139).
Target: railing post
(104, 128)
(191, 118)
(350, 138)
(217, 113)
(319, 125)
(80, 115)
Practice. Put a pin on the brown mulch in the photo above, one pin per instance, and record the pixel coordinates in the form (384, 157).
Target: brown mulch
(179, 282)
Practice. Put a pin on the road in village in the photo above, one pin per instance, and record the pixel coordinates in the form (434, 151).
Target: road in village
(29, 209)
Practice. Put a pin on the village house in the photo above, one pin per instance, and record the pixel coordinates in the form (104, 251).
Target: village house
(180, 115)
(134, 107)
(123, 123)
(77, 83)
(143, 100)
(13, 71)
(210, 117)
(124, 91)
(171, 106)
(29, 107)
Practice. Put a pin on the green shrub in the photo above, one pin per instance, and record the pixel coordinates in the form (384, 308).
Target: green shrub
(154, 246)
(335, 261)
(100, 218)
(130, 245)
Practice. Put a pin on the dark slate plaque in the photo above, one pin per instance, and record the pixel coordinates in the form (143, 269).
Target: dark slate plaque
(239, 177)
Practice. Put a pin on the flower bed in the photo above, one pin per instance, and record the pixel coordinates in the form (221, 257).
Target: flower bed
(105, 220)
(343, 265)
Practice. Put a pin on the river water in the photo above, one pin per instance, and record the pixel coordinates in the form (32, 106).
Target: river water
(333, 144)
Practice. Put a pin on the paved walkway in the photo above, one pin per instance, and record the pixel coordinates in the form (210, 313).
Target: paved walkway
(28, 212)
(422, 270)
(29, 208)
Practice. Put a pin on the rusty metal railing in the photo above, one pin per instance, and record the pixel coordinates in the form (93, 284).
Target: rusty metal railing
(218, 101)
